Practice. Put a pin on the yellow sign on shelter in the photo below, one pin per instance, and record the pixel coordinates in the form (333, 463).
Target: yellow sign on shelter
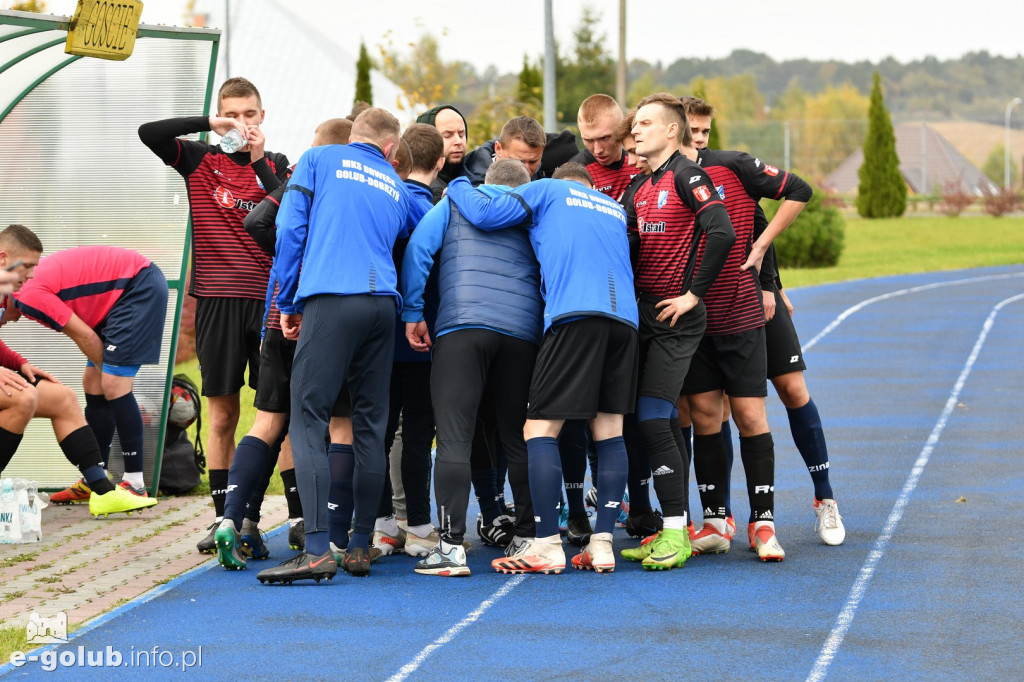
(104, 29)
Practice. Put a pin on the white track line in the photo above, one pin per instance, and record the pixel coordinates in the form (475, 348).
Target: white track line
(411, 667)
(845, 619)
(893, 294)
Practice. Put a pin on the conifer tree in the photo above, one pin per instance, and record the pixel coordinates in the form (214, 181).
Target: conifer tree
(882, 192)
(364, 90)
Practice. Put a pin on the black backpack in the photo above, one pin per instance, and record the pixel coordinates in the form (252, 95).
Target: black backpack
(182, 462)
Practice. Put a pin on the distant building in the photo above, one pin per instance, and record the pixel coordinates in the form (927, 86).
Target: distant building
(928, 162)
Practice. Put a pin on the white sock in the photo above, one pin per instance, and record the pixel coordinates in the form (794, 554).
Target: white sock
(676, 522)
(422, 530)
(550, 540)
(135, 478)
(387, 524)
(292, 522)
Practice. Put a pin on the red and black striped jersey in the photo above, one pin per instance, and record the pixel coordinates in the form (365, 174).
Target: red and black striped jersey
(610, 180)
(675, 203)
(734, 301)
(222, 189)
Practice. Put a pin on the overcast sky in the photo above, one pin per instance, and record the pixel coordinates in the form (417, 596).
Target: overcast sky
(485, 32)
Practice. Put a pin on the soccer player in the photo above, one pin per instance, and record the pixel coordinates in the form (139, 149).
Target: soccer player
(731, 357)
(27, 391)
(238, 536)
(604, 156)
(586, 365)
(341, 213)
(112, 303)
(677, 210)
(487, 333)
(229, 271)
(786, 364)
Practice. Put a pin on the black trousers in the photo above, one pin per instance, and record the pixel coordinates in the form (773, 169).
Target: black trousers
(410, 400)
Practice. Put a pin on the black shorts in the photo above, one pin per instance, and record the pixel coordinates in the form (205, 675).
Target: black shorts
(273, 389)
(782, 343)
(734, 363)
(228, 340)
(133, 330)
(584, 367)
(665, 351)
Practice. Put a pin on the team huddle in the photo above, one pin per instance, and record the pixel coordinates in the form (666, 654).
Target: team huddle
(531, 308)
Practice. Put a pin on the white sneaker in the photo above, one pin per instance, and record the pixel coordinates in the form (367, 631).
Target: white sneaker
(416, 545)
(387, 536)
(765, 542)
(829, 524)
(535, 557)
(597, 556)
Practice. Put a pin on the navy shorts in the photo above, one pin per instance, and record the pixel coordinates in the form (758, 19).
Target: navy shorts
(133, 330)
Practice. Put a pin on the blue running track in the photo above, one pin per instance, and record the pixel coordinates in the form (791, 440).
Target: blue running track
(919, 382)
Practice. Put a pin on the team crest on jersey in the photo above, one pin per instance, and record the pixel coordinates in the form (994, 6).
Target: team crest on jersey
(770, 169)
(721, 191)
(662, 198)
(702, 193)
(260, 183)
(224, 197)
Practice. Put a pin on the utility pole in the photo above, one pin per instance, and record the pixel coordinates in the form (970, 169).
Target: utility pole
(550, 110)
(620, 76)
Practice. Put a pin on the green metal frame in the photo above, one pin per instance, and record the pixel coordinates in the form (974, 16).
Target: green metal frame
(39, 25)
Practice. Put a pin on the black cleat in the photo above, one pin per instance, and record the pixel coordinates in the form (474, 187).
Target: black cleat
(578, 530)
(644, 524)
(297, 535)
(208, 545)
(301, 567)
(357, 562)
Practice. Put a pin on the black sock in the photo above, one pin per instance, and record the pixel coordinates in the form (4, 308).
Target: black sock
(218, 490)
(572, 449)
(666, 465)
(639, 476)
(129, 430)
(729, 457)
(9, 443)
(709, 468)
(758, 455)
(291, 493)
(81, 449)
(683, 443)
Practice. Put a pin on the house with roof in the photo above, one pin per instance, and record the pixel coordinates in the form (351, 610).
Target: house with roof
(928, 162)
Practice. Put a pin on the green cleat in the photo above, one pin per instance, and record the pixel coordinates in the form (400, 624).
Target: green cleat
(231, 552)
(670, 549)
(643, 551)
(116, 501)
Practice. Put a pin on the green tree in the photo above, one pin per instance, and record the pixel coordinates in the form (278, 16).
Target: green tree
(37, 6)
(531, 83)
(815, 239)
(364, 90)
(715, 138)
(995, 166)
(882, 192)
(591, 70)
(423, 77)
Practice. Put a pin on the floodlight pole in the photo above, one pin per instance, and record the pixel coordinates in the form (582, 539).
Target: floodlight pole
(1006, 148)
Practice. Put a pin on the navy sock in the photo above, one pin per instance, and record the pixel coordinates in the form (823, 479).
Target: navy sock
(317, 543)
(729, 457)
(611, 481)
(291, 493)
(128, 419)
(357, 540)
(340, 503)
(758, 455)
(100, 418)
(218, 489)
(545, 483)
(81, 449)
(487, 493)
(809, 436)
(248, 470)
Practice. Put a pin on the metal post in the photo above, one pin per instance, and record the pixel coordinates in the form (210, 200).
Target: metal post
(620, 79)
(1006, 125)
(550, 110)
(227, 44)
(924, 158)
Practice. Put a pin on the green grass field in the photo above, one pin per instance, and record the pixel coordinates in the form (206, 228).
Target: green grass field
(874, 248)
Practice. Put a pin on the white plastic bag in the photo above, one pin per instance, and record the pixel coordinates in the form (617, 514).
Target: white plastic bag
(10, 513)
(21, 511)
